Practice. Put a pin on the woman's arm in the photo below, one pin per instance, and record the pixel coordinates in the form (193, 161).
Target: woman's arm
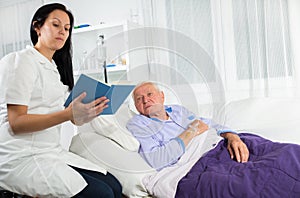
(77, 112)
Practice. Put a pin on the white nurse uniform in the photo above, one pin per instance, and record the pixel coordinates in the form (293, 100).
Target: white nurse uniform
(36, 163)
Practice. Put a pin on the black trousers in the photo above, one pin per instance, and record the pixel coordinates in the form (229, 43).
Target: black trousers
(99, 185)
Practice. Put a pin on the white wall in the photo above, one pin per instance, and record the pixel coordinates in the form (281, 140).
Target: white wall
(94, 12)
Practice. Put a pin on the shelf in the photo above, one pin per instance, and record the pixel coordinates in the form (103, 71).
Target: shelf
(117, 68)
(95, 28)
(112, 76)
(85, 54)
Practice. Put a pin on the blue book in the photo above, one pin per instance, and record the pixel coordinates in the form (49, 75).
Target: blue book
(94, 89)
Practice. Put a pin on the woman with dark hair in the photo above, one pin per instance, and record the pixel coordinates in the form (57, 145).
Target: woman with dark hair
(34, 83)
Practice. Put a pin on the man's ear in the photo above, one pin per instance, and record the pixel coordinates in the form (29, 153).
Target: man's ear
(162, 96)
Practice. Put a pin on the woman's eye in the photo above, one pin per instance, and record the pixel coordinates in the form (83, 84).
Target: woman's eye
(55, 25)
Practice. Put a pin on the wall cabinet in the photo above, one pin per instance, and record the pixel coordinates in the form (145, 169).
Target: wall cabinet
(85, 58)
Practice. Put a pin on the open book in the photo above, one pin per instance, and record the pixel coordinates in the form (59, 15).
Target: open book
(96, 89)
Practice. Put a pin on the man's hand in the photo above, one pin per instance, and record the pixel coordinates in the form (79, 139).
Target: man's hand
(236, 147)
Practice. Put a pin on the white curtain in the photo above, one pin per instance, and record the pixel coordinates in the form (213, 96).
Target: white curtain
(248, 41)
(15, 18)
(261, 48)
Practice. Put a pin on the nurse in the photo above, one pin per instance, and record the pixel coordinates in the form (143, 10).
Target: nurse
(33, 84)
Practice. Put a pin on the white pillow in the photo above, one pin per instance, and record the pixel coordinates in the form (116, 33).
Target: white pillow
(114, 128)
(127, 166)
(273, 118)
(106, 142)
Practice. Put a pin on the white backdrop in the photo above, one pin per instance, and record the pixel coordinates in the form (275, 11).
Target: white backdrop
(15, 19)
(253, 44)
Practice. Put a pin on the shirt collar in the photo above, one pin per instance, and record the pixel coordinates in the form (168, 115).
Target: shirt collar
(168, 109)
(42, 59)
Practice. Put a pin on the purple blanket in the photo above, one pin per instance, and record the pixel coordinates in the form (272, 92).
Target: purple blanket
(273, 170)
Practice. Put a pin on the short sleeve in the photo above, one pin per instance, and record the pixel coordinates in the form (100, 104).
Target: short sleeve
(18, 78)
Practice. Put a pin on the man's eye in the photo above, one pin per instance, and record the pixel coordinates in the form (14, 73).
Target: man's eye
(149, 94)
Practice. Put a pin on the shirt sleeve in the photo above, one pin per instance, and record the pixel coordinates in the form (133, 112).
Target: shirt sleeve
(158, 155)
(218, 127)
(211, 124)
(19, 80)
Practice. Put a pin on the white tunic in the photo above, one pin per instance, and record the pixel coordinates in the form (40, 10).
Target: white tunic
(35, 163)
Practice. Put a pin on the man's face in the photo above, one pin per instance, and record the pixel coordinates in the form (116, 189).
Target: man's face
(148, 99)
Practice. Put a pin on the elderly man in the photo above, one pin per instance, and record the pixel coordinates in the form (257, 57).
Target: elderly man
(165, 131)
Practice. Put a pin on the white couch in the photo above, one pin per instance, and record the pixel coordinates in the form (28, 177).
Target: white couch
(106, 142)
(273, 118)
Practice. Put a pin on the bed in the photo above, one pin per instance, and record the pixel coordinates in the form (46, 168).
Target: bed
(106, 142)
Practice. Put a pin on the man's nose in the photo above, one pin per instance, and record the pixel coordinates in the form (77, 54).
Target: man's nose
(145, 99)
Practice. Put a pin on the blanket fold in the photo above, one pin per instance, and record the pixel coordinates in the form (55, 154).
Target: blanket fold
(273, 170)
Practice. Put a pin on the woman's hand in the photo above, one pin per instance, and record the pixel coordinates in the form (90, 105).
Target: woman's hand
(82, 113)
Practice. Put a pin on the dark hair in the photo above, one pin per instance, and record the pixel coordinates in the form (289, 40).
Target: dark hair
(63, 56)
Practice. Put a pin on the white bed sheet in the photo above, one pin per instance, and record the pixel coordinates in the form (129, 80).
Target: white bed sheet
(164, 183)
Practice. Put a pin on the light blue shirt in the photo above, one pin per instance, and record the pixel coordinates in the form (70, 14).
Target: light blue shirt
(159, 142)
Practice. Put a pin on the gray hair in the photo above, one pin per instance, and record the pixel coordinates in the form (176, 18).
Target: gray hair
(145, 83)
